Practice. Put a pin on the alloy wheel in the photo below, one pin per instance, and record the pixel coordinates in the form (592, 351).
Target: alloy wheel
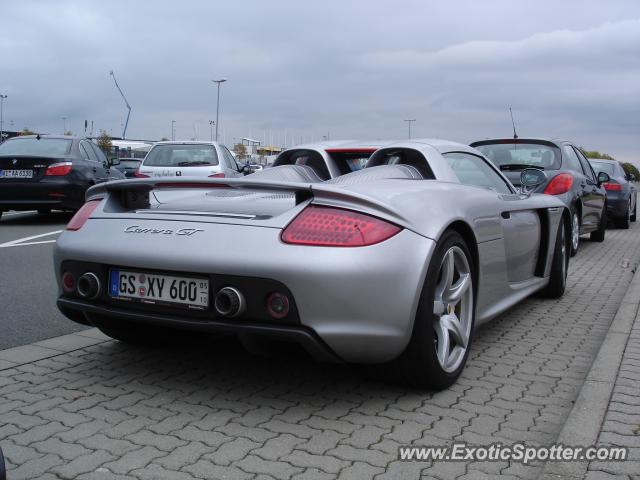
(575, 232)
(453, 309)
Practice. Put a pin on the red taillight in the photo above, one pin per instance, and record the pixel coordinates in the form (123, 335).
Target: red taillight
(336, 227)
(138, 174)
(612, 186)
(68, 282)
(217, 175)
(82, 215)
(560, 184)
(59, 169)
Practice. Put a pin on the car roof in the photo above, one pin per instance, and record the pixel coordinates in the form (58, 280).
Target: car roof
(441, 145)
(556, 140)
(64, 137)
(186, 142)
(603, 160)
(329, 144)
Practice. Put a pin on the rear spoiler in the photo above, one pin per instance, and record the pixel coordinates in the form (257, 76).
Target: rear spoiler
(133, 193)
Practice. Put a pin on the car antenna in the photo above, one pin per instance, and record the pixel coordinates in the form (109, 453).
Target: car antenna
(515, 135)
(38, 137)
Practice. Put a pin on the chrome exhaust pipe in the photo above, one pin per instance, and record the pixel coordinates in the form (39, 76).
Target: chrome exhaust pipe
(89, 286)
(229, 302)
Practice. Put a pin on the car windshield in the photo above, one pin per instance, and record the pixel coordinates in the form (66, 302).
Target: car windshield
(518, 156)
(606, 167)
(32, 146)
(181, 156)
(129, 163)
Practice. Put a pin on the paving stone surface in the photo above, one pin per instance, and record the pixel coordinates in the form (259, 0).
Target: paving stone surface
(111, 411)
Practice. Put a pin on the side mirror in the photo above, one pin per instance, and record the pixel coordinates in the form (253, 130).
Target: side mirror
(603, 178)
(530, 178)
(632, 177)
(115, 161)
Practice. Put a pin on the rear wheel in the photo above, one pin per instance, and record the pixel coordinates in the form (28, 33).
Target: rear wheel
(598, 235)
(625, 222)
(559, 266)
(633, 215)
(442, 330)
(575, 232)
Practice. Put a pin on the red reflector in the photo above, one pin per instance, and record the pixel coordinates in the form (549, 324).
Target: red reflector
(58, 169)
(278, 305)
(217, 175)
(612, 186)
(68, 282)
(140, 175)
(336, 227)
(560, 184)
(82, 215)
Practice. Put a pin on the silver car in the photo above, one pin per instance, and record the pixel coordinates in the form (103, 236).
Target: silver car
(394, 264)
(189, 159)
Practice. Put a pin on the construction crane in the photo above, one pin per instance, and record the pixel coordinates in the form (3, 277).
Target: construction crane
(126, 122)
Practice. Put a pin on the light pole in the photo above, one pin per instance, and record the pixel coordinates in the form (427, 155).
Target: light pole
(409, 122)
(64, 122)
(2, 97)
(222, 80)
(211, 124)
(173, 130)
(126, 122)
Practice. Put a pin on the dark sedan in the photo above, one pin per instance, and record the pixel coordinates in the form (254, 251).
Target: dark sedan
(569, 176)
(128, 166)
(621, 193)
(45, 172)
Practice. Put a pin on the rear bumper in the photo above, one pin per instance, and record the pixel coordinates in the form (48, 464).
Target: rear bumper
(361, 302)
(47, 193)
(81, 310)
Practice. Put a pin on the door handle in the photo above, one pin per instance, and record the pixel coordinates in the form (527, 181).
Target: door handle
(583, 184)
(506, 215)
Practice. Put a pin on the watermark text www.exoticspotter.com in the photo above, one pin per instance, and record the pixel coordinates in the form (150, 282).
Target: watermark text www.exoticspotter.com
(518, 452)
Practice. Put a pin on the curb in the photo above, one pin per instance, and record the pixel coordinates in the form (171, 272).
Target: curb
(582, 426)
(52, 347)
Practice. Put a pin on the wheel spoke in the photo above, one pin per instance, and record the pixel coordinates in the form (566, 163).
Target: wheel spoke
(442, 334)
(454, 293)
(456, 331)
(438, 307)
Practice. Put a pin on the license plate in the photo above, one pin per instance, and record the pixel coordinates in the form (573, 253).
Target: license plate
(153, 288)
(16, 173)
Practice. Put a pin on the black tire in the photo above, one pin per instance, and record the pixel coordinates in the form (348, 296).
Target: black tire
(633, 214)
(3, 467)
(418, 365)
(598, 235)
(625, 222)
(559, 266)
(44, 211)
(575, 215)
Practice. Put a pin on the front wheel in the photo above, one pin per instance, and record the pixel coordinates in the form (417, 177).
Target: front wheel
(575, 233)
(443, 327)
(633, 215)
(598, 235)
(625, 222)
(559, 266)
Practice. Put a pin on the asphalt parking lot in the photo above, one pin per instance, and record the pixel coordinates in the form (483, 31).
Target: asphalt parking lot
(27, 283)
(209, 410)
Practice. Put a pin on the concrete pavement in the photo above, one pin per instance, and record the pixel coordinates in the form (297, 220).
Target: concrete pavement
(97, 409)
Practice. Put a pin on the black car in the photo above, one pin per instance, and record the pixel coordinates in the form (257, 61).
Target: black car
(568, 176)
(45, 172)
(621, 193)
(128, 166)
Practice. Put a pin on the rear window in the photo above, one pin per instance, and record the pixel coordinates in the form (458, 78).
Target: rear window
(181, 156)
(349, 162)
(130, 163)
(518, 156)
(608, 168)
(54, 147)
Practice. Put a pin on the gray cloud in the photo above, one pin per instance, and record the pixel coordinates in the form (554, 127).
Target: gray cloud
(354, 69)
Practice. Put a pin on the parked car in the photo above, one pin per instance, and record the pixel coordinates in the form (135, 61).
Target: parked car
(44, 172)
(396, 263)
(128, 166)
(621, 192)
(569, 177)
(330, 158)
(190, 159)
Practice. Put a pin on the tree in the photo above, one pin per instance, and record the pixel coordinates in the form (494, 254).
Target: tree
(104, 142)
(596, 154)
(26, 131)
(631, 169)
(240, 150)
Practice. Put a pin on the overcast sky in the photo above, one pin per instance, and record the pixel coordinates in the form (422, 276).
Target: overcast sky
(304, 69)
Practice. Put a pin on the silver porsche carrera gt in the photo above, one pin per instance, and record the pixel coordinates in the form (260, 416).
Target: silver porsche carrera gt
(395, 264)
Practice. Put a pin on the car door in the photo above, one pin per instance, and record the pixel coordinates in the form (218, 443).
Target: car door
(96, 168)
(580, 187)
(595, 195)
(521, 225)
(111, 173)
(233, 170)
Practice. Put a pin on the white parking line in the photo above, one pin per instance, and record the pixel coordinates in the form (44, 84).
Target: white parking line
(18, 242)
